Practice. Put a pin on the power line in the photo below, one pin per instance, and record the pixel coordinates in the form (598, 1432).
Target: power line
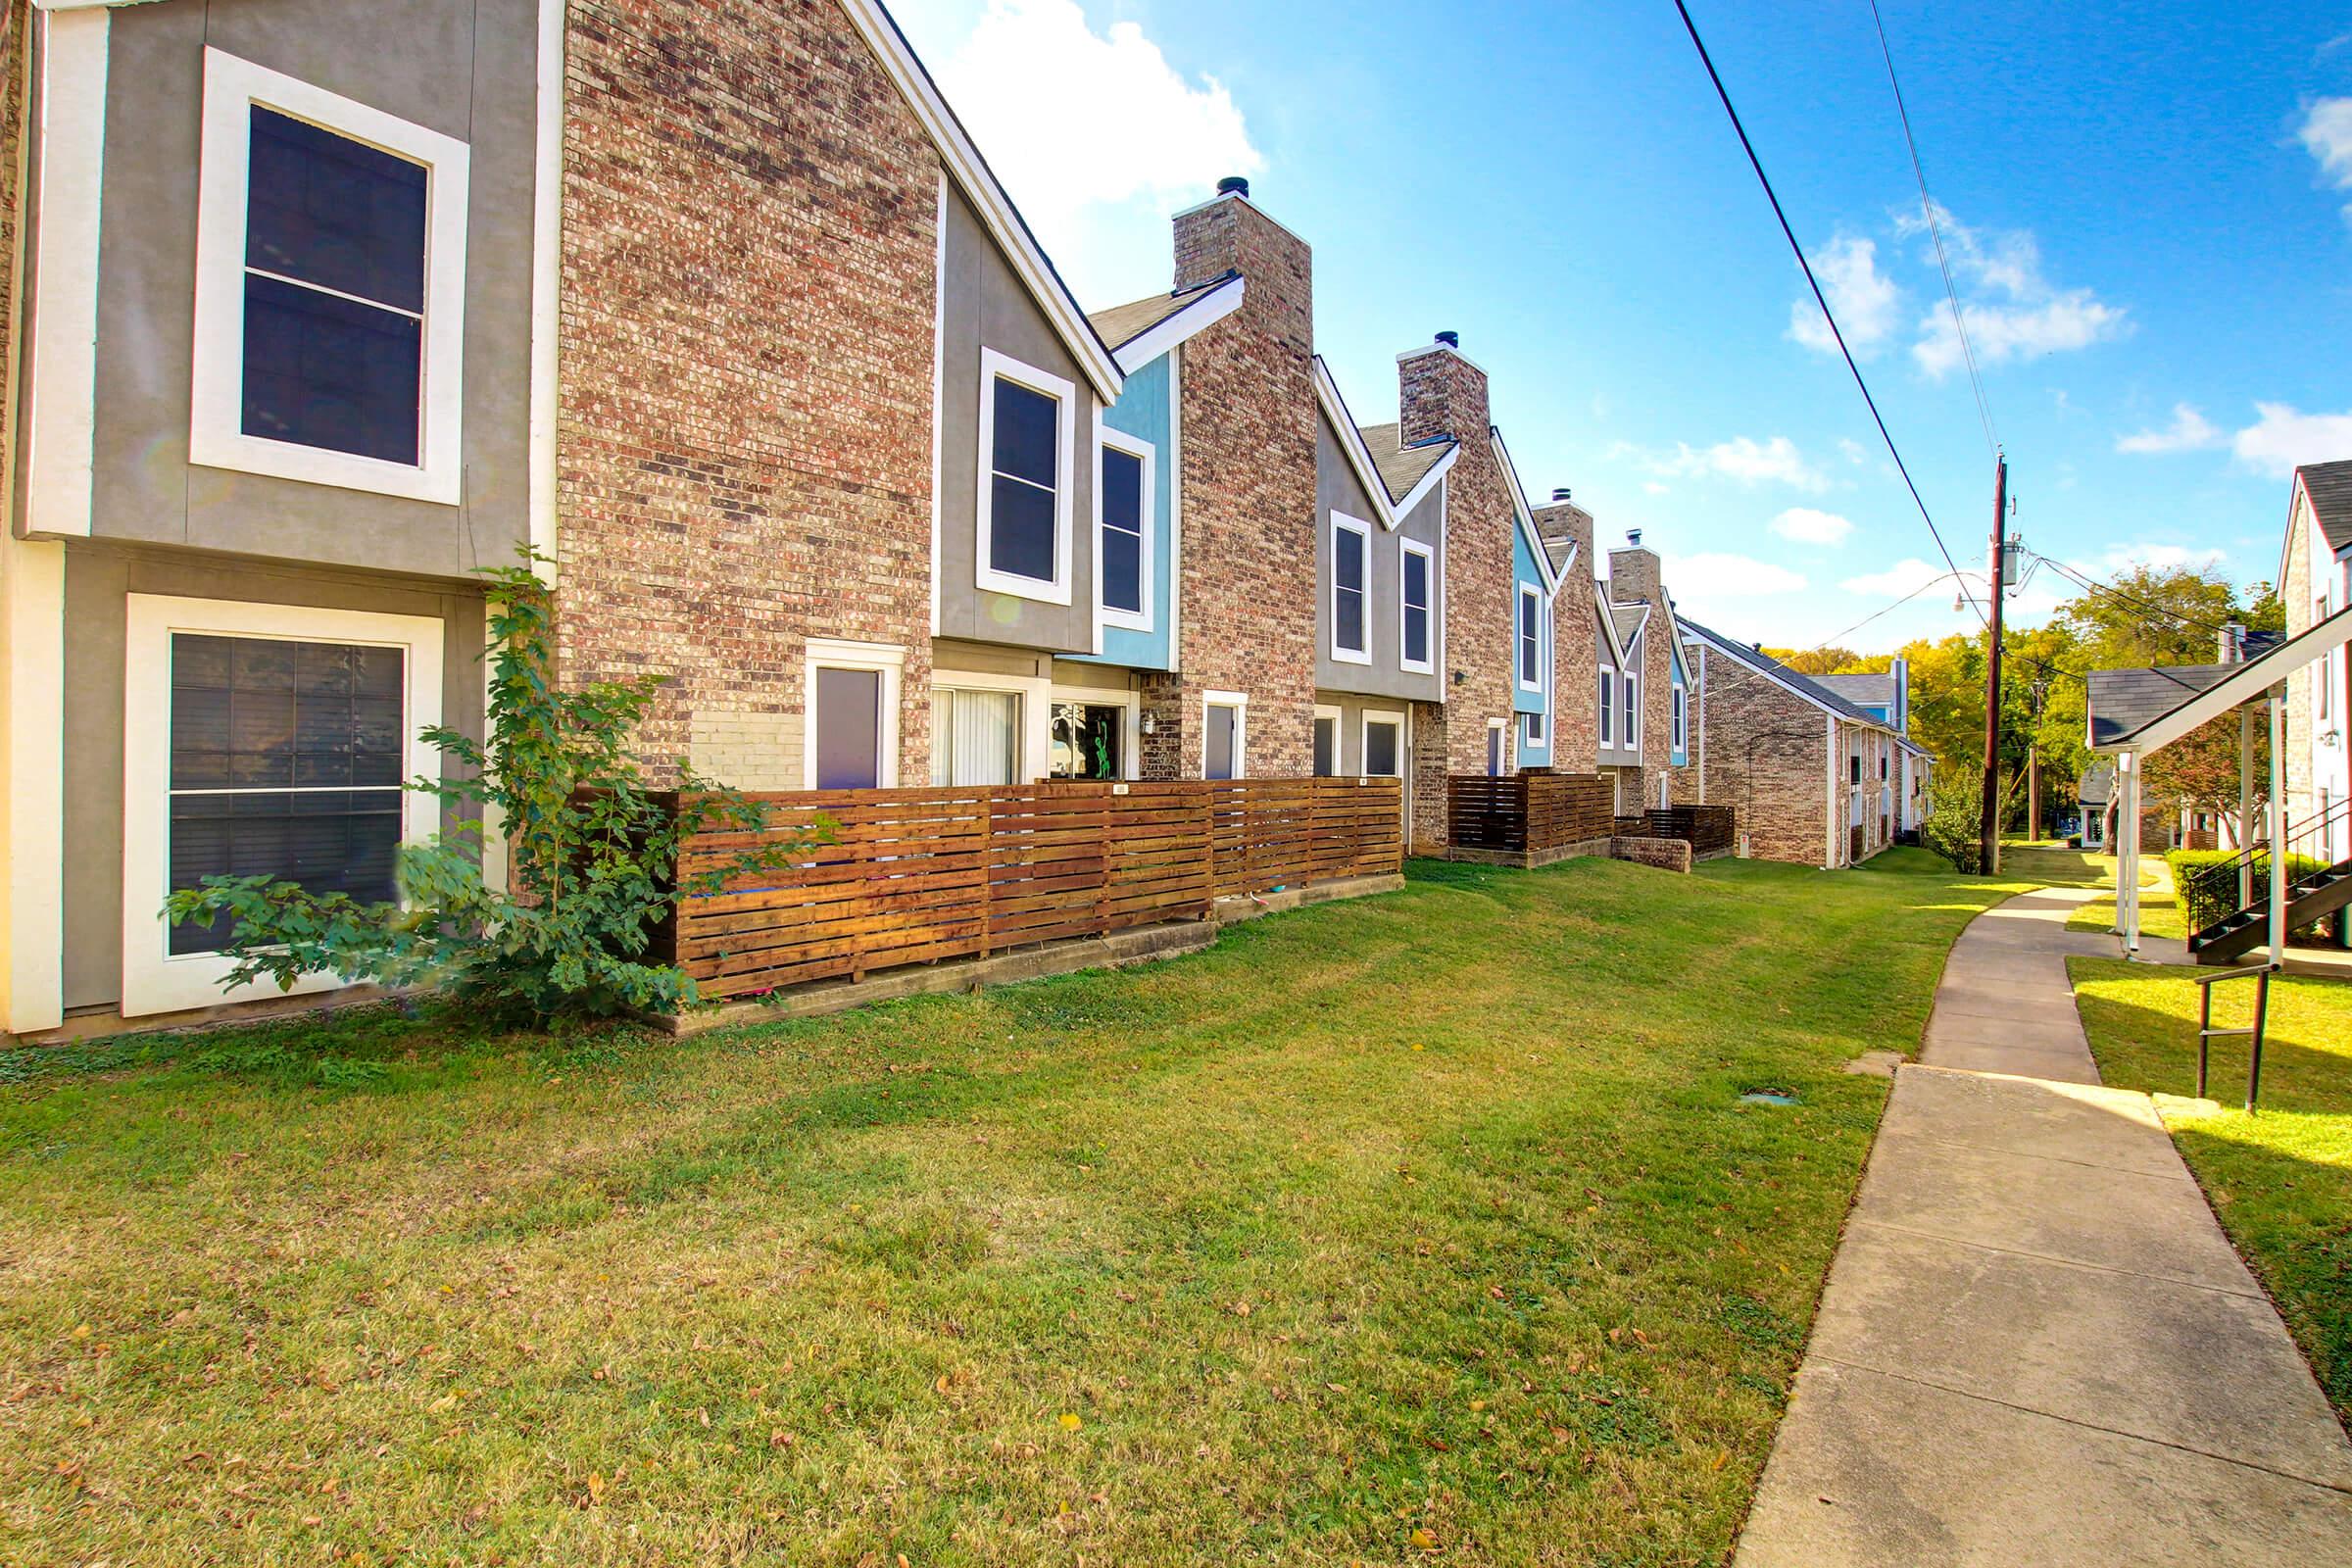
(1888, 610)
(1819, 297)
(1926, 206)
(2093, 585)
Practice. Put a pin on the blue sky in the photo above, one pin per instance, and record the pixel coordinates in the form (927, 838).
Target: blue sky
(2149, 210)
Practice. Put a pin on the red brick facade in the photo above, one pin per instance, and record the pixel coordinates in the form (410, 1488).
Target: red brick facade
(1765, 757)
(1635, 579)
(1576, 657)
(746, 370)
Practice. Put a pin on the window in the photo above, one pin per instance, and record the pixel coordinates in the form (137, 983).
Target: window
(1681, 719)
(1123, 497)
(1384, 746)
(1632, 711)
(850, 739)
(1531, 729)
(278, 744)
(1224, 735)
(1856, 763)
(1413, 608)
(1495, 748)
(1531, 645)
(975, 737)
(1024, 502)
(2327, 671)
(1351, 569)
(331, 289)
(1327, 742)
(1609, 705)
(1088, 740)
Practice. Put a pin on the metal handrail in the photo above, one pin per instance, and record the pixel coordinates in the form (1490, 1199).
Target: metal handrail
(2211, 894)
(2260, 974)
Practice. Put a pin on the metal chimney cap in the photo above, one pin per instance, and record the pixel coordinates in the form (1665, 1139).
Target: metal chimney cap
(1452, 340)
(1559, 492)
(1233, 185)
(1633, 538)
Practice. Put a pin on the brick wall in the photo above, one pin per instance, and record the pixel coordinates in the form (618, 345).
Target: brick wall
(1767, 758)
(1636, 578)
(1576, 657)
(1249, 567)
(1441, 393)
(744, 449)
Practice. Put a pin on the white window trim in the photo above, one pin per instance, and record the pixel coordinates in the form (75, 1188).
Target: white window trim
(1429, 610)
(1149, 454)
(216, 438)
(1499, 751)
(1065, 422)
(1238, 701)
(1534, 730)
(887, 659)
(1036, 693)
(1131, 726)
(1342, 522)
(1632, 692)
(1364, 741)
(1680, 733)
(153, 979)
(1339, 737)
(1519, 639)
(1609, 705)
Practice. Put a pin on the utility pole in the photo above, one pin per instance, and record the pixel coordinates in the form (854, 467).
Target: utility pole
(2040, 689)
(1988, 824)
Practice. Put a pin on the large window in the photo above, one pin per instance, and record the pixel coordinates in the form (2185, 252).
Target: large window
(852, 732)
(1123, 497)
(1025, 444)
(1609, 705)
(1384, 746)
(1414, 598)
(975, 737)
(1224, 735)
(1350, 583)
(1531, 640)
(264, 740)
(329, 289)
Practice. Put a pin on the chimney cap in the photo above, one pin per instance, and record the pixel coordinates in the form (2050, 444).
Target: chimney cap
(1559, 492)
(1452, 340)
(1233, 185)
(1633, 538)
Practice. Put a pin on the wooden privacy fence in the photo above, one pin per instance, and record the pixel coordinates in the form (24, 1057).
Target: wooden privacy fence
(1528, 812)
(917, 875)
(1708, 829)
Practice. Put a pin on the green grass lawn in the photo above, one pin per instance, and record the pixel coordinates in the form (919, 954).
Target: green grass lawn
(1424, 1225)
(2280, 1179)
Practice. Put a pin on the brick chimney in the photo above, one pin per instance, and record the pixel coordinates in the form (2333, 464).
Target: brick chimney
(1633, 572)
(1563, 520)
(1230, 233)
(1439, 392)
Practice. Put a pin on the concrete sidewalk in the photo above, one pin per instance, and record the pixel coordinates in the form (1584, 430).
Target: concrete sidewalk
(2036, 1345)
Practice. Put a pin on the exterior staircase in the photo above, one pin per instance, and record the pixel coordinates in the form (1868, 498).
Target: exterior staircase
(2310, 898)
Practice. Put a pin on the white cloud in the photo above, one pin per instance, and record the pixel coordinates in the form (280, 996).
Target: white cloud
(2328, 135)
(1153, 140)
(2012, 309)
(1806, 526)
(1903, 578)
(1866, 301)
(1742, 459)
(1652, 487)
(1716, 577)
(2189, 431)
(2284, 437)
(2161, 558)
(1852, 451)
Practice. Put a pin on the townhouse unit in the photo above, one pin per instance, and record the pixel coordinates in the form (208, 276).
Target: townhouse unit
(1642, 702)
(1816, 779)
(2314, 582)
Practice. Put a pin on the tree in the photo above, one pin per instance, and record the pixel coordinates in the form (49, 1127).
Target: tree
(1813, 661)
(592, 854)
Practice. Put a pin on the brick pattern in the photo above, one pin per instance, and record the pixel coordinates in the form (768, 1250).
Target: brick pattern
(15, 31)
(745, 441)
(1249, 567)
(1635, 578)
(1766, 758)
(1576, 657)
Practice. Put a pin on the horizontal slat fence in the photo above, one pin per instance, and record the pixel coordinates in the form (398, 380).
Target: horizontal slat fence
(1708, 829)
(917, 875)
(1528, 812)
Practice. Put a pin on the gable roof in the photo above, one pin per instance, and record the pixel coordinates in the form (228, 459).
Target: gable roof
(2124, 699)
(978, 183)
(1391, 507)
(2119, 720)
(1523, 516)
(1402, 468)
(1804, 686)
(1628, 620)
(2330, 487)
(1866, 690)
(2096, 787)
(1143, 329)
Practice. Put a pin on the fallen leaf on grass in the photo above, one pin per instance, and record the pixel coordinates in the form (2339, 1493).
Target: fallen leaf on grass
(1069, 1422)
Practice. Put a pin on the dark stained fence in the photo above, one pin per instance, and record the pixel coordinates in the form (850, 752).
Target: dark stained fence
(1708, 829)
(917, 875)
(1528, 812)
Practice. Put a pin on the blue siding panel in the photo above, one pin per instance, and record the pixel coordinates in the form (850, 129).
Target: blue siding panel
(1143, 412)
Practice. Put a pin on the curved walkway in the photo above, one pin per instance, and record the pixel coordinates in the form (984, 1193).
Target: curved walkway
(2035, 1344)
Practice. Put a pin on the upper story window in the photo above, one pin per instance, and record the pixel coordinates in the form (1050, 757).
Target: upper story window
(1632, 711)
(1123, 497)
(1681, 719)
(331, 289)
(1415, 565)
(1531, 640)
(1350, 589)
(1609, 705)
(1025, 479)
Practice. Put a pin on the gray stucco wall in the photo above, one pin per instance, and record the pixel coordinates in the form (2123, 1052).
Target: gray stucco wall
(1337, 489)
(99, 578)
(985, 304)
(1620, 754)
(463, 67)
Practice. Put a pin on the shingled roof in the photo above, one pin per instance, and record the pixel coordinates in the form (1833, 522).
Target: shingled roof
(2122, 701)
(1870, 691)
(1401, 466)
(2329, 486)
(1123, 324)
(1764, 663)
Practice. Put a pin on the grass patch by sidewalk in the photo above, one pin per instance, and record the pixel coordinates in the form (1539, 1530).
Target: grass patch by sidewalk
(1427, 1223)
(2159, 915)
(2280, 1179)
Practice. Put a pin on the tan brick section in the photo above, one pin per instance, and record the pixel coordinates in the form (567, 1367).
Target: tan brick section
(1635, 579)
(1576, 657)
(1767, 758)
(1249, 520)
(1441, 393)
(744, 451)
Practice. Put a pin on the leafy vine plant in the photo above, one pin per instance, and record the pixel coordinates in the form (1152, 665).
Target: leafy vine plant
(592, 864)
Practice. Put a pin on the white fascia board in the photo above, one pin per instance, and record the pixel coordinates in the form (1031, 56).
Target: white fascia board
(972, 173)
(1429, 481)
(1210, 308)
(2242, 684)
(1351, 443)
(1575, 549)
(1609, 629)
(1522, 513)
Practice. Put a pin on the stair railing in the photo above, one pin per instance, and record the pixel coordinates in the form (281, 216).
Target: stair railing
(2212, 894)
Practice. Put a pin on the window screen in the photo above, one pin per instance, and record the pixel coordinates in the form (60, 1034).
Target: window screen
(848, 729)
(1024, 464)
(287, 762)
(1417, 608)
(1382, 744)
(1223, 742)
(1608, 706)
(334, 292)
(1348, 589)
(1327, 748)
(1530, 659)
(1122, 531)
(1632, 709)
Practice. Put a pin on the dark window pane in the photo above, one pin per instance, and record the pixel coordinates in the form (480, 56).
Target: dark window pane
(1327, 747)
(1349, 611)
(333, 211)
(254, 712)
(1122, 490)
(1416, 580)
(1218, 756)
(1020, 539)
(322, 371)
(1493, 751)
(848, 729)
(1416, 636)
(333, 841)
(1027, 434)
(1347, 560)
(1380, 750)
(1122, 571)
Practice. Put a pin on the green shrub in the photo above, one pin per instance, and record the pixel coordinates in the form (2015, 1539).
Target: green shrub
(2207, 893)
(591, 856)
(1955, 808)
